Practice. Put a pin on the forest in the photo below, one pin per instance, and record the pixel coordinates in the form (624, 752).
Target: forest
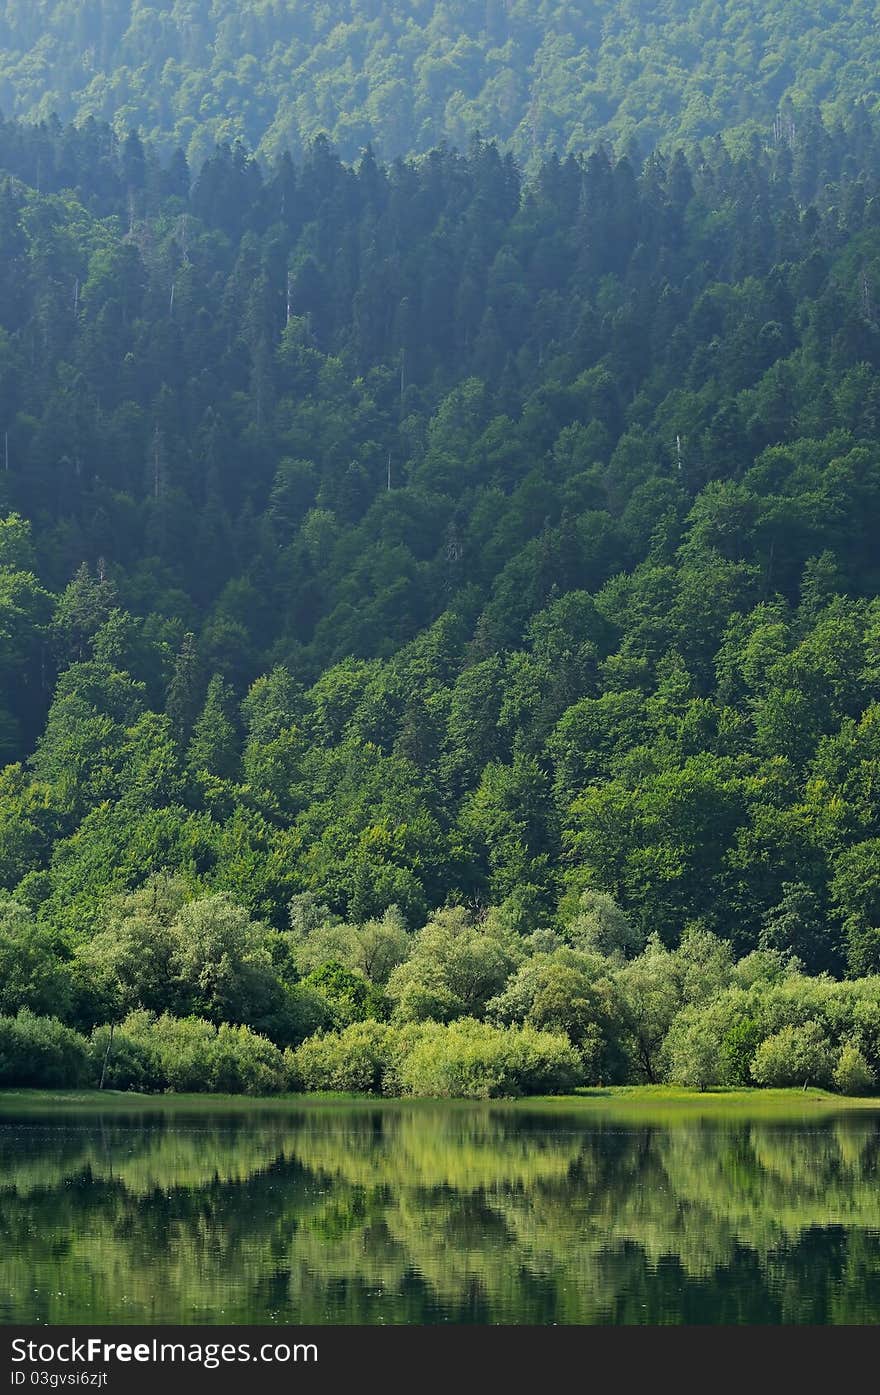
(438, 626)
(540, 76)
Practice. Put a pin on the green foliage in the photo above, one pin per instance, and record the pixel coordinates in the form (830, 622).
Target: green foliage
(128, 961)
(347, 994)
(41, 1052)
(213, 747)
(531, 569)
(794, 1055)
(187, 1054)
(852, 1074)
(573, 993)
(474, 1060)
(466, 1059)
(738, 1046)
(356, 1059)
(223, 961)
(599, 926)
(655, 988)
(33, 973)
(276, 76)
(372, 949)
(455, 966)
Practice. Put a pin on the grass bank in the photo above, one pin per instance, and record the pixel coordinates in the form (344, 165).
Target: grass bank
(663, 1104)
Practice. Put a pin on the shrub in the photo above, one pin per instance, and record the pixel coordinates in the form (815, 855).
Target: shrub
(473, 1060)
(795, 1055)
(41, 1052)
(131, 1062)
(466, 1059)
(244, 1063)
(188, 1054)
(355, 1060)
(852, 1074)
(182, 1047)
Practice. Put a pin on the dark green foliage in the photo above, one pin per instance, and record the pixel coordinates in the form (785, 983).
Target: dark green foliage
(349, 997)
(738, 1048)
(40, 1052)
(33, 973)
(214, 747)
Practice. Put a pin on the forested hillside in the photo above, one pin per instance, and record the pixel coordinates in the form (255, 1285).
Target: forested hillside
(384, 539)
(404, 75)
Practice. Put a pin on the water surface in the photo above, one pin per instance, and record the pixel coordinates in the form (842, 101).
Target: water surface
(429, 1213)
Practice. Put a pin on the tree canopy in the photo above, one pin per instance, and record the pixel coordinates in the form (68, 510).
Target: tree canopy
(423, 583)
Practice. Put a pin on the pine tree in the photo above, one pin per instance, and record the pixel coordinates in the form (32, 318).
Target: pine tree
(182, 698)
(214, 746)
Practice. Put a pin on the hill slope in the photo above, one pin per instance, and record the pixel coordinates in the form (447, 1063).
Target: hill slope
(554, 75)
(412, 534)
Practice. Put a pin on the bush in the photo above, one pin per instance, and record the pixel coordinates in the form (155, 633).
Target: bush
(131, 1062)
(794, 1056)
(472, 1060)
(466, 1059)
(181, 1046)
(41, 1052)
(244, 1063)
(188, 1054)
(356, 1060)
(852, 1074)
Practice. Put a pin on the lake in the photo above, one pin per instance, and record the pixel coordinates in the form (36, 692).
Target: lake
(427, 1212)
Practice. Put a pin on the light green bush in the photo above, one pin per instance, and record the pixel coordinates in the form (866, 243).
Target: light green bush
(127, 1060)
(354, 1060)
(466, 1059)
(795, 1055)
(472, 1060)
(244, 1063)
(852, 1074)
(188, 1054)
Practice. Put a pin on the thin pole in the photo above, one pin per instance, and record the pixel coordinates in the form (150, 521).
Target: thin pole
(107, 1055)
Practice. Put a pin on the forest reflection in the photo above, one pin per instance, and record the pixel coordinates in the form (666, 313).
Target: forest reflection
(423, 1214)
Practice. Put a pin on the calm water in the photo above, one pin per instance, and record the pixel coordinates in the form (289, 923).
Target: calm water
(430, 1213)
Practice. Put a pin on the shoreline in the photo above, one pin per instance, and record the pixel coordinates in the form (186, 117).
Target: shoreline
(640, 1103)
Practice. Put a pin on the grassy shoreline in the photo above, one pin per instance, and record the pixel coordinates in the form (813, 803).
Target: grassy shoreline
(638, 1103)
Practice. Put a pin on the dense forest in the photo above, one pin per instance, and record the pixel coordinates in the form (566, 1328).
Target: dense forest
(406, 75)
(438, 615)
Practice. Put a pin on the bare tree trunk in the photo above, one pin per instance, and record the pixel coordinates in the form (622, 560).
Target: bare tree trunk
(107, 1055)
